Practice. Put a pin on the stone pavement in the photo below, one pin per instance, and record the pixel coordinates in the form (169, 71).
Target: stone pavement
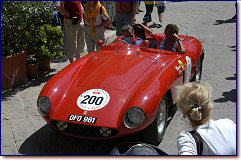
(25, 132)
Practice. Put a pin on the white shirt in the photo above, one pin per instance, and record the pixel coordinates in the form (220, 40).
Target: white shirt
(219, 138)
(97, 20)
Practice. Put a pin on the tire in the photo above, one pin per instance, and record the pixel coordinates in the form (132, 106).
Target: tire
(198, 72)
(154, 133)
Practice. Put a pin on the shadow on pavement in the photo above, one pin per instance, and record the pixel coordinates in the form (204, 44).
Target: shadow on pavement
(58, 60)
(234, 48)
(218, 22)
(232, 78)
(42, 77)
(228, 96)
(47, 141)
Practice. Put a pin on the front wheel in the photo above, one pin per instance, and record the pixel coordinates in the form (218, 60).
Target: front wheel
(155, 131)
(198, 72)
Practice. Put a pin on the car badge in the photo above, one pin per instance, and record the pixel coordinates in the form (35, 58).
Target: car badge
(85, 112)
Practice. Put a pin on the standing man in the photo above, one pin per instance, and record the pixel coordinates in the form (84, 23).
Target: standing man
(125, 14)
(74, 27)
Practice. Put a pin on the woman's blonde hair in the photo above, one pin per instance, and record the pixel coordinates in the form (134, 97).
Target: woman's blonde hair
(194, 99)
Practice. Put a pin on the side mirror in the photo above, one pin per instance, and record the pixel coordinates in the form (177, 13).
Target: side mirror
(144, 44)
(100, 43)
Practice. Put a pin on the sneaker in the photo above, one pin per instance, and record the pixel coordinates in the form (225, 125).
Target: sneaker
(140, 10)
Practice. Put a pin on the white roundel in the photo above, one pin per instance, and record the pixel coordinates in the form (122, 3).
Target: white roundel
(93, 99)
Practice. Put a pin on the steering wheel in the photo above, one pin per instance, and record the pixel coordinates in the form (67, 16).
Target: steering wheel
(121, 41)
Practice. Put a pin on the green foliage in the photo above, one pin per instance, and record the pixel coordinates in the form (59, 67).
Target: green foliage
(20, 18)
(46, 42)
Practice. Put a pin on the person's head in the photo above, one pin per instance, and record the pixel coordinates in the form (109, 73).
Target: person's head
(170, 30)
(128, 31)
(92, 3)
(194, 101)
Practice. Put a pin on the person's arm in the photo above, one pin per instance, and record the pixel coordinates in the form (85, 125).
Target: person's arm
(147, 30)
(133, 17)
(60, 7)
(105, 19)
(104, 23)
(180, 48)
(186, 145)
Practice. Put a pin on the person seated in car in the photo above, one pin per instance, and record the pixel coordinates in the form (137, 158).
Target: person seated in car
(129, 36)
(170, 41)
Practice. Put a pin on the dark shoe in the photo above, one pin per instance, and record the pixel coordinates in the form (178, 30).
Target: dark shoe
(137, 12)
(140, 10)
(110, 27)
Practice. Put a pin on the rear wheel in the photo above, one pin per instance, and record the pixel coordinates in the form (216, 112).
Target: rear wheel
(154, 133)
(198, 72)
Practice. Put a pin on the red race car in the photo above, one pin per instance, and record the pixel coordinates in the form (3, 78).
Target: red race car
(119, 90)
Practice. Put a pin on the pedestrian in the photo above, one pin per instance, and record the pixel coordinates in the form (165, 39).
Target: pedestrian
(170, 41)
(125, 12)
(129, 36)
(149, 8)
(161, 6)
(96, 19)
(110, 8)
(217, 137)
(74, 27)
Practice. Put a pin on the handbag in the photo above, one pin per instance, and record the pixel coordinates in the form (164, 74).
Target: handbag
(199, 141)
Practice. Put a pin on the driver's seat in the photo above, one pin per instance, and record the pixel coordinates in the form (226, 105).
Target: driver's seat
(139, 32)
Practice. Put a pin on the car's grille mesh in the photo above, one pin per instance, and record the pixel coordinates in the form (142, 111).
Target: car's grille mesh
(84, 130)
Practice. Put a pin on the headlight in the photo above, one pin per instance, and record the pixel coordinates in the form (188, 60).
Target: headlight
(43, 104)
(134, 117)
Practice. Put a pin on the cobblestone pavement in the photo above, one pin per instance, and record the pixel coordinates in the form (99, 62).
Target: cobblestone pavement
(24, 132)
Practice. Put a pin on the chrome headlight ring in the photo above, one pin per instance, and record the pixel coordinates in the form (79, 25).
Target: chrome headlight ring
(134, 117)
(43, 105)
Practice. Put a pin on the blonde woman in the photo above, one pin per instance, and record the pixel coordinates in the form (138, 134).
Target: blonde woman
(219, 137)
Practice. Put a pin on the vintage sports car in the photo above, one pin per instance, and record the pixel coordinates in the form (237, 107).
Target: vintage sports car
(120, 89)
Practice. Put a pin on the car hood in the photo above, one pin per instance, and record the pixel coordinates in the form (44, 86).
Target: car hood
(114, 71)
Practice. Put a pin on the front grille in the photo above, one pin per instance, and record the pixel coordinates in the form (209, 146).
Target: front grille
(85, 130)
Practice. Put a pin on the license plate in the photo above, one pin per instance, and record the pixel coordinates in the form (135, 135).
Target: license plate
(85, 119)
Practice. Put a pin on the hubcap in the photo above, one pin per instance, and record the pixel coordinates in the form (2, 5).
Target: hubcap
(198, 70)
(161, 117)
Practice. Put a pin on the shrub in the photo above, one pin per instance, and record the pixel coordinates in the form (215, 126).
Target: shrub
(45, 42)
(19, 18)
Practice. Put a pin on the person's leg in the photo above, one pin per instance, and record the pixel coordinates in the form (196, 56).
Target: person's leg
(160, 10)
(71, 39)
(126, 19)
(80, 41)
(110, 6)
(119, 24)
(147, 16)
(89, 39)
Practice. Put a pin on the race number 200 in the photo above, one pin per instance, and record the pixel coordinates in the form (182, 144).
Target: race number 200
(93, 99)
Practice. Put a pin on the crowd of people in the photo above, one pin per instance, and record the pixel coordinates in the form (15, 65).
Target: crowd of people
(86, 23)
